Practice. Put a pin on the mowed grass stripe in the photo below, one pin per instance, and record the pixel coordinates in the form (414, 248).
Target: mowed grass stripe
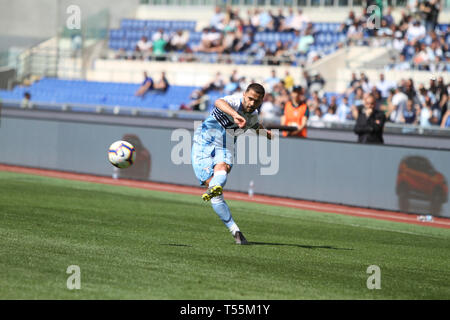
(139, 244)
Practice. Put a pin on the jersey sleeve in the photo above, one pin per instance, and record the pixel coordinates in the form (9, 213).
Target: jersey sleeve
(307, 113)
(234, 101)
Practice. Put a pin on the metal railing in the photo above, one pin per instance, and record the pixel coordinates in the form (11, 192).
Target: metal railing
(224, 58)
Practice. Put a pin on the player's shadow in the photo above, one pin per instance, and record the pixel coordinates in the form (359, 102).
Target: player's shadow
(295, 245)
(175, 245)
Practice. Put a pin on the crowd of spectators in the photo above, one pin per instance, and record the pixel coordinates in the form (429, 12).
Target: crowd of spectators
(230, 32)
(405, 102)
(416, 40)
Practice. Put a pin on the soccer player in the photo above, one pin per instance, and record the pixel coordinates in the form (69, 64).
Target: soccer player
(212, 160)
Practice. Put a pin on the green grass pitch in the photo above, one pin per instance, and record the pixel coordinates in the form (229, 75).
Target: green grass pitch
(139, 244)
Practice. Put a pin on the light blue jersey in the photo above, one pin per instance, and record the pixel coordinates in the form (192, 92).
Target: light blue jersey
(212, 137)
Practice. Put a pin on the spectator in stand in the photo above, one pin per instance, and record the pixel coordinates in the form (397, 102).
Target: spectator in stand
(384, 86)
(210, 40)
(365, 83)
(269, 111)
(409, 89)
(333, 102)
(442, 95)
(384, 31)
(438, 65)
(354, 82)
(162, 84)
(317, 82)
(380, 102)
(281, 94)
(422, 93)
(323, 105)
(143, 48)
(398, 43)
(409, 49)
(388, 16)
(358, 101)
(228, 42)
(416, 31)
(305, 42)
(234, 77)
(314, 101)
(396, 104)
(199, 101)
(436, 117)
(217, 84)
(272, 80)
(344, 111)
(286, 25)
(355, 33)
(316, 119)
(265, 21)
(254, 19)
(446, 120)
(402, 64)
(351, 19)
(278, 20)
(305, 80)
(288, 80)
(26, 101)
(300, 21)
(331, 115)
(244, 42)
(430, 12)
(146, 85)
(421, 59)
(160, 34)
(159, 47)
(217, 19)
(426, 114)
(258, 52)
(178, 41)
(410, 113)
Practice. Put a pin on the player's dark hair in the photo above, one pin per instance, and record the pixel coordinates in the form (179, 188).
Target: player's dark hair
(259, 89)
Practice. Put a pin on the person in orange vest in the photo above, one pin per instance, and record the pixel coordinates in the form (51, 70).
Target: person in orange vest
(296, 113)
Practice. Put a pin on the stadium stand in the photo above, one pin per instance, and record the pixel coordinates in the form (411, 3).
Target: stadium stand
(262, 36)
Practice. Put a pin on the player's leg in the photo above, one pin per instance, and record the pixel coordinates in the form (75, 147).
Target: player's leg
(218, 203)
(216, 183)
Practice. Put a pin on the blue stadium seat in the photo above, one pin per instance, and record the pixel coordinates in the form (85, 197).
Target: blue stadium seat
(126, 24)
(100, 93)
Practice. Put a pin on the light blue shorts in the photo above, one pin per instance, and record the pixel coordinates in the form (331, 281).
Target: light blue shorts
(210, 148)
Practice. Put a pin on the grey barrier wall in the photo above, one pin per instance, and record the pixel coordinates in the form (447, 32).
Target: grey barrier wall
(334, 172)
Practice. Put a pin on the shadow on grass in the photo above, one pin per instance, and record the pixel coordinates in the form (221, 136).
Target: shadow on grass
(252, 243)
(175, 245)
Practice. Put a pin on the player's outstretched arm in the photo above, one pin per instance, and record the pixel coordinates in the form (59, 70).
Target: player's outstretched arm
(225, 107)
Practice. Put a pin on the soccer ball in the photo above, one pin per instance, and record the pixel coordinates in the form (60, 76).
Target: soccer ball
(121, 154)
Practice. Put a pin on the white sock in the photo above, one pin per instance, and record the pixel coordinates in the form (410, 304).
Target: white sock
(233, 229)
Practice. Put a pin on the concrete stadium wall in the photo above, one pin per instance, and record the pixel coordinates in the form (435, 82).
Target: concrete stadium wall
(40, 19)
(335, 172)
(184, 74)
